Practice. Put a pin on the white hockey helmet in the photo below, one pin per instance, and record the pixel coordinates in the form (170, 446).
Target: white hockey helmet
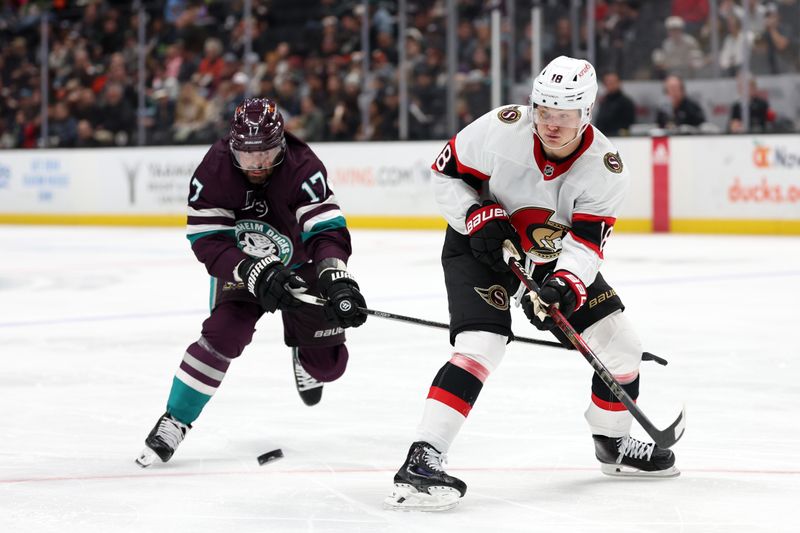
(566, 83)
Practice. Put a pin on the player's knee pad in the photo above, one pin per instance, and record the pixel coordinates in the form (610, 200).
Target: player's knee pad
(617, 345)
(230, 327)
(486, 349)
(324, 363)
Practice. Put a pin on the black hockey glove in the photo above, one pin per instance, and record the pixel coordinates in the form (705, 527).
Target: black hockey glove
(562, 289)
(270, 282)
(344, 298)
(488, 228)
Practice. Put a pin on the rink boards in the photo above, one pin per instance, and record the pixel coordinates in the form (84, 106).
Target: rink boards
(709, 184)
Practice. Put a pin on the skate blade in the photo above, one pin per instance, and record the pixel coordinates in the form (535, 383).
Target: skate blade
(407, 498)
(627, 471)
(146, 458)
(311, 396)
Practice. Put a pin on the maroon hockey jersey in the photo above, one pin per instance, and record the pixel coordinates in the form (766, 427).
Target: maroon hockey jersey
(294, 215)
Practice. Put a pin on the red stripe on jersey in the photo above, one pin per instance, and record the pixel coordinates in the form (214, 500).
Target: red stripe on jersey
(470, 365)
(608, 406)
(551, 170)
(604, 225)
(609, 221)
(590, 245)
(450, 400)
(464, 169)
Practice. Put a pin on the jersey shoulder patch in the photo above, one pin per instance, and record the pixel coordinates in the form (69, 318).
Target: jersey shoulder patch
(613, 162)
(509, 114)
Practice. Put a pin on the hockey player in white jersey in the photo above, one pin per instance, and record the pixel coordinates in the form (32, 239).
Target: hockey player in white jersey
(543, 177)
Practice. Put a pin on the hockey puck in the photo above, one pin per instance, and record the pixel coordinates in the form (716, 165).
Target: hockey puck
(268, 457)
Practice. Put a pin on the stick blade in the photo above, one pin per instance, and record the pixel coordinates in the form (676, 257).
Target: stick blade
(668, 437)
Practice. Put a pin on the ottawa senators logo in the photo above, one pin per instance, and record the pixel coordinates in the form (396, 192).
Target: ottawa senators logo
(496, 296)
(539, 235)
(613, 162)
(509, 115)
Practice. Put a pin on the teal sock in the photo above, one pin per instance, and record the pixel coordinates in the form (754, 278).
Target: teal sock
(185, 403)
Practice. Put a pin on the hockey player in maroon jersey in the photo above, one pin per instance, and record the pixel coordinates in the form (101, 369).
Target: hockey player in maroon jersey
(265, 223)
(542, 177)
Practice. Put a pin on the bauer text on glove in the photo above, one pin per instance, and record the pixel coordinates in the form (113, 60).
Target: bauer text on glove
(488, 229)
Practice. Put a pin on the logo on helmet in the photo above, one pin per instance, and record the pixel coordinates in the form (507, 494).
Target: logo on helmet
(257, 126)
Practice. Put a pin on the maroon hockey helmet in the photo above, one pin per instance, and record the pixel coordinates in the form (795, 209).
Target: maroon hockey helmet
(256, 136)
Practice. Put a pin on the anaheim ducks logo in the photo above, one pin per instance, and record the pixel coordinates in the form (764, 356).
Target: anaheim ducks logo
(509, 115)
(496, 296)
(259, 239)
(539, 235)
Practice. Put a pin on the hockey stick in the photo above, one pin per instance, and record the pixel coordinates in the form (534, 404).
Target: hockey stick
(315, 300)
(663, 438)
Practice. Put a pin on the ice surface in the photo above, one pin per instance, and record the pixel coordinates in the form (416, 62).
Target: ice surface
(94, 321)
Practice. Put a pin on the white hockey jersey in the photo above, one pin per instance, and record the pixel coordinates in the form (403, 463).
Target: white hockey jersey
(562, 210)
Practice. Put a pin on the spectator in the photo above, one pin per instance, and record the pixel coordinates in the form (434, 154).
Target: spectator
(85, 138)
(759, 112)
(780, 47)
(694, 14)
(681, 110)
(288, 95)
(310, 124)
(427, 106)
(731, 55)
(617, 111)
(620, 39)
(111, 38)
(756, 13)
(85, 107)
(563, 41)
(192, 117)
(680, 54)
(346, 115)
(210, 70)
(62, 128)
(173, 61)
(163, 112)
(117, 117)
(476, 96)
(312, 52)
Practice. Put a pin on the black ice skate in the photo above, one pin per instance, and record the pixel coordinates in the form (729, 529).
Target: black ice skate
(163, 440)
(310, 389)
(421, 484)
(626, 456)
